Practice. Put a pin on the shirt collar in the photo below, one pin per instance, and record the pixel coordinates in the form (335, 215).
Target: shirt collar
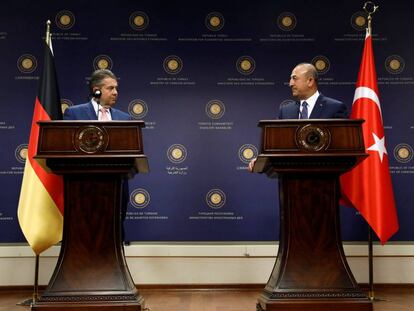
(311, 100)
(95, 105)
(95, 108)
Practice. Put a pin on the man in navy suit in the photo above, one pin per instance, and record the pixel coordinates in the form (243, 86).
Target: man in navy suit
(310, 104)
(103, 88)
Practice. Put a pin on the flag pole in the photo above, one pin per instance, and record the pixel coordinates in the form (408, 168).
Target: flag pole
(28, 302)
(36, 280)
(371, 294)
(35, 295)
(370, 8)
(48, 35)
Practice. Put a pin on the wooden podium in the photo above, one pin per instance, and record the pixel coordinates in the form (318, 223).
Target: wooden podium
(311, 272)
(94, 158)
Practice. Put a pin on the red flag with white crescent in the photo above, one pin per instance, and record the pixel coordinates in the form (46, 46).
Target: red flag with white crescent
(368, 186)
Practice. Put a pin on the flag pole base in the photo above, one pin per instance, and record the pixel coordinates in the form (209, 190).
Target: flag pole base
(25, 303)
(372, 297)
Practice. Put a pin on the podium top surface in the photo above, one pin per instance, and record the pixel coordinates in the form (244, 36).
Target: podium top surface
(95, 138)
(310, 121)
(95, 122)
(317, 136)
(91, 145)
(310, 145)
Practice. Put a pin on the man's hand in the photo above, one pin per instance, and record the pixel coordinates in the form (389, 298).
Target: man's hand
(251, 165)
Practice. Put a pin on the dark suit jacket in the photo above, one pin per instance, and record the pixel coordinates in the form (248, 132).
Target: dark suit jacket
(86, 112)
(325, 108)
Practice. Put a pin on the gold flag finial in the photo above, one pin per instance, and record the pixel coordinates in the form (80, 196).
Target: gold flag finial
(370, 8)
(48, 35)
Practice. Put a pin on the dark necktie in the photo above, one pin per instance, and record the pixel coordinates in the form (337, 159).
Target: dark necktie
(304, 113)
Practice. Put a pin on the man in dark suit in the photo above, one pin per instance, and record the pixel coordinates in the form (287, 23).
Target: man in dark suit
(310, 104)
(103, 88)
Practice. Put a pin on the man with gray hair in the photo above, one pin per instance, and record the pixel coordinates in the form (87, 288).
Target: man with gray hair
(103, 88)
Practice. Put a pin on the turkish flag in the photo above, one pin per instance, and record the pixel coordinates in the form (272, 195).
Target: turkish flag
(368, 186)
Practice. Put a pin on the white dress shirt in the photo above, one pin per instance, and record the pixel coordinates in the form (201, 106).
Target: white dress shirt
(311, 103)
(95, 107)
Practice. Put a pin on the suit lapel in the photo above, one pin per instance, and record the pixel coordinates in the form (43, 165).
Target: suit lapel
(91, 112)
(296, 110)
(317, 110)
(113, 114)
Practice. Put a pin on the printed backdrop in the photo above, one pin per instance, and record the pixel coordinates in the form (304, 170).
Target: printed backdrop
(201, 74)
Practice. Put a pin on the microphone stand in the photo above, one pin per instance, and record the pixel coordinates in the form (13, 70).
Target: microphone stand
(97, 112)
(97, 95)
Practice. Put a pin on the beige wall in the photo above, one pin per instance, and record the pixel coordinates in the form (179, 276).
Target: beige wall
(210, 263)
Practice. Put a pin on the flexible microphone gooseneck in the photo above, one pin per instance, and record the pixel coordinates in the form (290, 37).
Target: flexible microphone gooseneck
(97, 95)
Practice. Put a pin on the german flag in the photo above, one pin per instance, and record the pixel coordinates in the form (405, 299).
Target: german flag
(40, 210)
